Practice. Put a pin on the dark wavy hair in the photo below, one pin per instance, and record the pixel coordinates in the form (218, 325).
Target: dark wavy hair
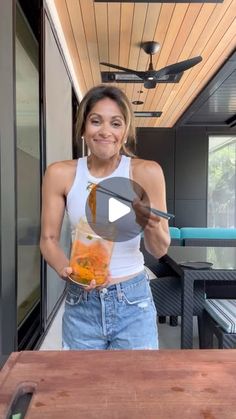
(114, 93)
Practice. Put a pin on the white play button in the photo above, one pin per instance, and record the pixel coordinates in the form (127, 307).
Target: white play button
(117, 209)
(110, 208)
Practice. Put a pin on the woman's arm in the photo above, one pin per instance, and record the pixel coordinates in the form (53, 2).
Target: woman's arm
(149, 175)
(53, 208)
(57, 181)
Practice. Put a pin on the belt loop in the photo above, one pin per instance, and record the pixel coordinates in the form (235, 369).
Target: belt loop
(85, 295)
(119, 292)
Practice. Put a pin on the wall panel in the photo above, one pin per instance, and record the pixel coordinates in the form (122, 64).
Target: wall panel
(183, 155)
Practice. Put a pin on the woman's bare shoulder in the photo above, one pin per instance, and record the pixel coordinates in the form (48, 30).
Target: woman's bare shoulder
(142, 167)
(61, 168)
(60, 175)
(62, 165)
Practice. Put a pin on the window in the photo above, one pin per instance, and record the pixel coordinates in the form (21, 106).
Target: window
(222, 182)
(28, 168)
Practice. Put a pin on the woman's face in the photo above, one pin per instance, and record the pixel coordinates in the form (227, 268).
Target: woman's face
(104, 129)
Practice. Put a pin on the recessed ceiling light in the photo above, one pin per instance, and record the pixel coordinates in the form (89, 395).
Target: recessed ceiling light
(148, 114)
(137, 102)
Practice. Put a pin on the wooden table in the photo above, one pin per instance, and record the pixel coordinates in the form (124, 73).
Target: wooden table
(123, 384)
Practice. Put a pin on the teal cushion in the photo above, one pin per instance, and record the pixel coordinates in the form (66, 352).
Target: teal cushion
(207, 233)
(223, 312)
(174, 232)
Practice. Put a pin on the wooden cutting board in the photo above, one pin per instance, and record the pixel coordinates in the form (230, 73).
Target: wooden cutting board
(176, 384)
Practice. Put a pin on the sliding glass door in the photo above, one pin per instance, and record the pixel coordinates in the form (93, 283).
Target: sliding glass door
(222, 181)
(27, 170)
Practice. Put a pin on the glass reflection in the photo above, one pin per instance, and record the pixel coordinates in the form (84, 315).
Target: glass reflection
(28, 168)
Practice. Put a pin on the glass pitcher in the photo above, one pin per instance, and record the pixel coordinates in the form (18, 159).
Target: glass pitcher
(91, 252)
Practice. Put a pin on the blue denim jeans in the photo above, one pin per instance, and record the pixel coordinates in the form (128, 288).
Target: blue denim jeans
(122, 316)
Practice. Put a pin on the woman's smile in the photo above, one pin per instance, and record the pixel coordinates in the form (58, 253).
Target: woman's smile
(101, 141)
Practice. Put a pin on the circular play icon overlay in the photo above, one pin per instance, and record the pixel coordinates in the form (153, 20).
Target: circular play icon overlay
(109, 210)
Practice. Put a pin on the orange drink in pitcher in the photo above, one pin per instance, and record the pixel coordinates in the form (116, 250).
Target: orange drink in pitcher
(91, 252)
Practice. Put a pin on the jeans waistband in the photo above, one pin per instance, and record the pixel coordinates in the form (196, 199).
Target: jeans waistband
(115, 288)
(129, 282)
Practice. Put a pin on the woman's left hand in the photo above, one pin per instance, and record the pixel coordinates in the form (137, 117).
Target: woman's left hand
(93, 284)
(144, 217)
(106, 283)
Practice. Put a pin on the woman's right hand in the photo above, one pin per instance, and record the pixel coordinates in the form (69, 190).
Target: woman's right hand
(66, 272)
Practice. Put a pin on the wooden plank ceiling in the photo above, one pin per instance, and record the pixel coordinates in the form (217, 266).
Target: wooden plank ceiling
(113, 33)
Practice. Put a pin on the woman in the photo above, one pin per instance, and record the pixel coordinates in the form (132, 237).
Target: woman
(121, 314)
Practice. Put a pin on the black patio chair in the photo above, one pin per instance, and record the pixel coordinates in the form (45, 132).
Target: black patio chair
(218, 319)
(165, 276)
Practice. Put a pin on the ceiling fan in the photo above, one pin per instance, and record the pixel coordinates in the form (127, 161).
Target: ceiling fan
(150, 77)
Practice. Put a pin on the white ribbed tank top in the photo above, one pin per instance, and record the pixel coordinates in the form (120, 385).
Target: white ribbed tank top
(127, 258)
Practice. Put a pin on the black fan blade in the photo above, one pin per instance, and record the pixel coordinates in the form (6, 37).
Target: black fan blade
(177, 67)
(140, 74)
